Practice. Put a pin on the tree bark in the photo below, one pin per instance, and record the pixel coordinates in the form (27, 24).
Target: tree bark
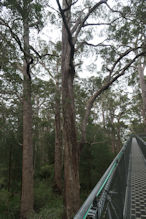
(58, 142)
(10, 167)
(119, 142)
(27, 160)
(143, 90)
(113, 138)
(71, 147)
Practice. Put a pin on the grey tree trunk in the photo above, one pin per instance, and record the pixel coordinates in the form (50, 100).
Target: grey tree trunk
(58, 142)
(143, 90)
(71, 147)
(27, 160)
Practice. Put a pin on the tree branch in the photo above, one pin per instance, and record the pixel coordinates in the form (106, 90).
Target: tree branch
(115, 11)
(92, 99)
(99, 24)
(76, 25)
(16, 38)
(91, 10)
(41, 56)
(43, 64)
(122, 56)
(52, 8)
(94, 45)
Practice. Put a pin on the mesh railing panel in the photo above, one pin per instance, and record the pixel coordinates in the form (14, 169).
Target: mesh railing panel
(142, 145)
(107, 199)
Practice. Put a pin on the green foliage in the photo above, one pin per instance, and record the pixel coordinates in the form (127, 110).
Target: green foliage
(136, 127)
(9, 205)
(95, 157)
(47, 172)
(42, 193)
(46, 202)
(50, 213)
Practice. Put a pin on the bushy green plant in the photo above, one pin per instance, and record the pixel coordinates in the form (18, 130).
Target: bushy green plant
(45, 197)
(95, 157)
(47, 172)
(48, 213)
(9, 205)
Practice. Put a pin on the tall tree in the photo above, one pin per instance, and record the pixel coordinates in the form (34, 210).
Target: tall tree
(130, 35)
(71, 156)
(26, 14)
(57, 108)
(70, 32)
(141, 67)
(58, 140)
(115, 105)
(27, 164)
(52, 67)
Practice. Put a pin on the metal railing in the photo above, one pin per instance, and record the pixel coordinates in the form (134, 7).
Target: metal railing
(107, 199)
(142, 145)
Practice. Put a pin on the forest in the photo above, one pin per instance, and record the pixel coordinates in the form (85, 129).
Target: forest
(72, 89)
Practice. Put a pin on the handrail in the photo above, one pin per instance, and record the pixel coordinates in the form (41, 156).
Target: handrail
(142, 145)
(83, 211)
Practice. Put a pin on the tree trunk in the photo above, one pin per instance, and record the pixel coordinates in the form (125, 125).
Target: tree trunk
(27, 160)
(119, 142)
(113, 139)
(58, 143)
(103, 118)
(71, 147)
(10, 167)
(143, 89)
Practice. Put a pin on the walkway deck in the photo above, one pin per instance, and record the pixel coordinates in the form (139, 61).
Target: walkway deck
(121, 192)
(138, 183)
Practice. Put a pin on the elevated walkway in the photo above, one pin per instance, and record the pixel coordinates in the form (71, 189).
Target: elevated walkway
(138, 182)
(121, 192)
